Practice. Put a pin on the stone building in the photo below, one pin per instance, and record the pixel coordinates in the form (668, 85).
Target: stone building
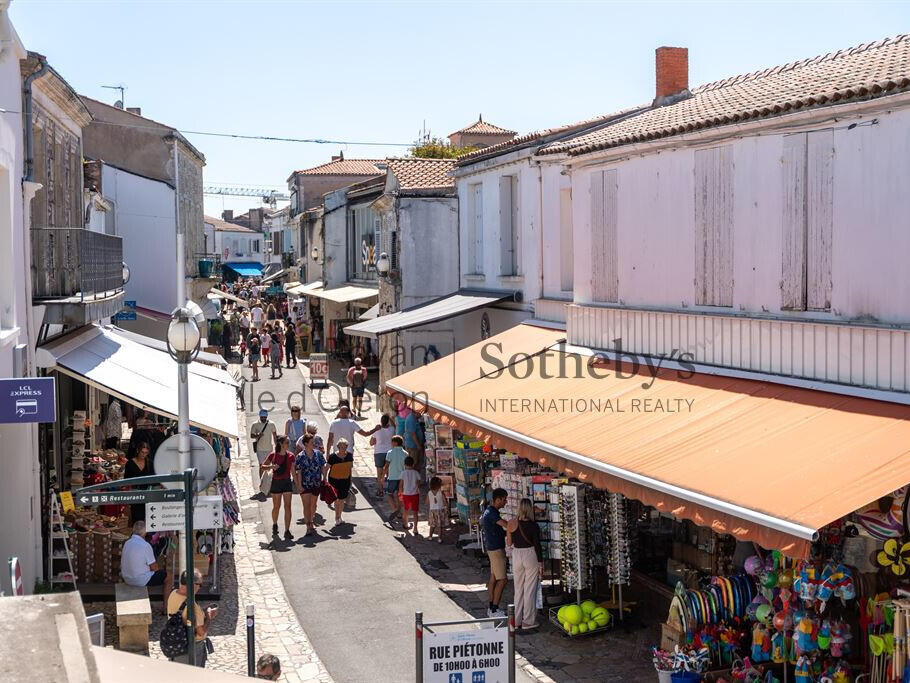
(480, 134)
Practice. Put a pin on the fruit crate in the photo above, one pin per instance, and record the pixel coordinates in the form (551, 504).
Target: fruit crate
(554, 619)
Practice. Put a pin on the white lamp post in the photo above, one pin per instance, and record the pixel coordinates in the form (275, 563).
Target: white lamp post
(183, 346)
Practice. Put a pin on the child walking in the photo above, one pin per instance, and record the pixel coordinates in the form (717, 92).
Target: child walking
(410, 494)
(438, 503)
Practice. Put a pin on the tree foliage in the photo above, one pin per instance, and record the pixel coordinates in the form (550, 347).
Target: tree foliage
(436, 148)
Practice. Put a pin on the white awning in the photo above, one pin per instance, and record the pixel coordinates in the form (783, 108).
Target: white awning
(431, 311)
(143, 376)
(275, 276)
(344, 294)
(203, 360)
(302, 290)
(370, 313)
(217, 293)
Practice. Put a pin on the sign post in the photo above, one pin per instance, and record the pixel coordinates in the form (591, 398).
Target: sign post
(28, 399)
(187, 477)
(477, 655)
(319, 369)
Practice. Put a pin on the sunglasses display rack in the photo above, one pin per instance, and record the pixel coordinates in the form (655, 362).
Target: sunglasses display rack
(619, 566)
(574, 566)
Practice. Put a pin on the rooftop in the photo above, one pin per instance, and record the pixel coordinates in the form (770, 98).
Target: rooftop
(859, 73)
(481, 127)
(224, 226)
(415, 175)
(365, 167)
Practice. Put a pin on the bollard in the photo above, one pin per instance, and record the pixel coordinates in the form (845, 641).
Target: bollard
(250, 641)
(418, 643)
(510, 613)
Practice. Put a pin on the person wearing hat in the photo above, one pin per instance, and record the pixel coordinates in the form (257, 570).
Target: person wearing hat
(263, 434)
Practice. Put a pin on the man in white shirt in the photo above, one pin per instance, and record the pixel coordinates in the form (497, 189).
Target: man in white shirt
(343, 427)
(258, 315)
(138, 565)
(263, 434)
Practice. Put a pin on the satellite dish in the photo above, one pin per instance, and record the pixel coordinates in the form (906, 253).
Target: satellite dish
(119, 104)
(202, 457)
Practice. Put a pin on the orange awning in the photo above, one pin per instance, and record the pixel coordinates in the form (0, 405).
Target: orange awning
(762, 461)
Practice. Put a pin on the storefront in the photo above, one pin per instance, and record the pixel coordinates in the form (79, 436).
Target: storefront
(753, 519)
(338, 308)
(99, 370)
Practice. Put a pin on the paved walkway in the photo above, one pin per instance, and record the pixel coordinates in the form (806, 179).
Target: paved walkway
(355, 589)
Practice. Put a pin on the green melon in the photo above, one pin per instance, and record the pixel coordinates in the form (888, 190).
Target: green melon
(573, 614)
(588, 606)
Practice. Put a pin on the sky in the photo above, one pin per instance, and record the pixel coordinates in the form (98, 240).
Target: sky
(380, 71)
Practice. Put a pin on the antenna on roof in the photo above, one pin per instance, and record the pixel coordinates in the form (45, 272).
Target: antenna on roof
(480, 118)
(119, 103)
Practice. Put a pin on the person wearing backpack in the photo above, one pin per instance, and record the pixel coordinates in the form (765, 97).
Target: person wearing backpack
(176, 607)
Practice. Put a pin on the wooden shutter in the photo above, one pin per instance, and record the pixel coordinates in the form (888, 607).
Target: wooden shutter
(478, 228)
(604, 258)
(793, 228)
(714, 226)
(819, 218)
(566, 258)
(506, 247)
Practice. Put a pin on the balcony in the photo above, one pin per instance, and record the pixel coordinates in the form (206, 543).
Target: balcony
(77, 274)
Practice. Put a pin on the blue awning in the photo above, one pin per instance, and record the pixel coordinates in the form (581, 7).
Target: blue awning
(245, 269)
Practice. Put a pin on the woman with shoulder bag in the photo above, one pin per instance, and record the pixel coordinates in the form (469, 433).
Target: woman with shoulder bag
(281, 463)
(308, 468)
(527, 564)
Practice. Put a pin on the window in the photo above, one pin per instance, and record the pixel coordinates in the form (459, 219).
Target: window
(255, 244)
(714, 226)
(808, 221)
(566, 258)
(364, 227)
(508, 225)
(475, 230)
(293, 211)
(110, 227)
(604, 254)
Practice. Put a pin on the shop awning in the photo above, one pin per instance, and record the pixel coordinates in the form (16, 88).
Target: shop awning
(763, 461)
(302, 290)
(245, 269)
(431, 311)
(218, 294)
(204, 357)
(370, 313)
(344, 294)
(143, 376)
(275, 276)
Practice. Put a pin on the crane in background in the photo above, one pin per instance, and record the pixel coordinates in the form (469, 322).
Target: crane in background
(267, 195)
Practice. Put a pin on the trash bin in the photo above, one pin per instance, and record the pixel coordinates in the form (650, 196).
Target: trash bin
(205, 267)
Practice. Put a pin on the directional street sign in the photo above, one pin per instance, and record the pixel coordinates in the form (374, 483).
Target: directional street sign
(128, 497)
(207, 514)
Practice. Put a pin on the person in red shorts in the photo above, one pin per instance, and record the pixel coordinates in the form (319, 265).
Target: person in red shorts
(409, 491)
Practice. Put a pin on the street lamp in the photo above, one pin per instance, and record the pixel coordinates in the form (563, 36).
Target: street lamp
(183, 346)
(315, 254)
(383, 265)
(126, 272)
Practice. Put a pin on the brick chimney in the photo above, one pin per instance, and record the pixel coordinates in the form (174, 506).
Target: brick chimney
(135, 110)
(227, 215)
(672, 74)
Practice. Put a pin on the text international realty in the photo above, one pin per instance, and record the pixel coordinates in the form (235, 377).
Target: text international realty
(586, 405)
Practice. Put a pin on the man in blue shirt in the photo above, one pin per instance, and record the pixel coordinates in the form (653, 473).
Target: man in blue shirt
(406, 428)
(494, 540)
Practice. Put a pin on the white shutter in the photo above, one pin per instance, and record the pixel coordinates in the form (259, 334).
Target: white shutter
(604, 257)
(793, 235)
(506, 247)
(714, 226)
(566, 259)
(478, 228)
(819, 218)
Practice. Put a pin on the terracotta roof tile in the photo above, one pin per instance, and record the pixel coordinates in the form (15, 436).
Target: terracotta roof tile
(423, 174)
(481, 127)
(225, 225)
(364, 167)
(859, 73)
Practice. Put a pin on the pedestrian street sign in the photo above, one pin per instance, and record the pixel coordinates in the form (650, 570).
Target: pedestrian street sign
(92, 498)
(207, 514)
(28, 399)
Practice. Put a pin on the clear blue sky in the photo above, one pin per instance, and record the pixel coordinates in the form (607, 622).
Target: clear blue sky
(375, 71)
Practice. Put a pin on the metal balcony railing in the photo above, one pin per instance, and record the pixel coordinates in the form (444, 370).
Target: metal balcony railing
(68, 262)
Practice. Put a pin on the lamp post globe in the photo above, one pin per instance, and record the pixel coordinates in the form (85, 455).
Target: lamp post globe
(183, 333)
(315, 254)
(383, 265)
(126, 273)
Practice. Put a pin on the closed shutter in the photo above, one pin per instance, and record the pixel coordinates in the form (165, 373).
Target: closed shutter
(604, 256)
(566, 258)
(793, 235)
(508, 225)
(478, 228)
(714, 226)
(819, 218)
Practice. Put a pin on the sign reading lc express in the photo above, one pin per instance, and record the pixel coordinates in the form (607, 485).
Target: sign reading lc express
(28, 399)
